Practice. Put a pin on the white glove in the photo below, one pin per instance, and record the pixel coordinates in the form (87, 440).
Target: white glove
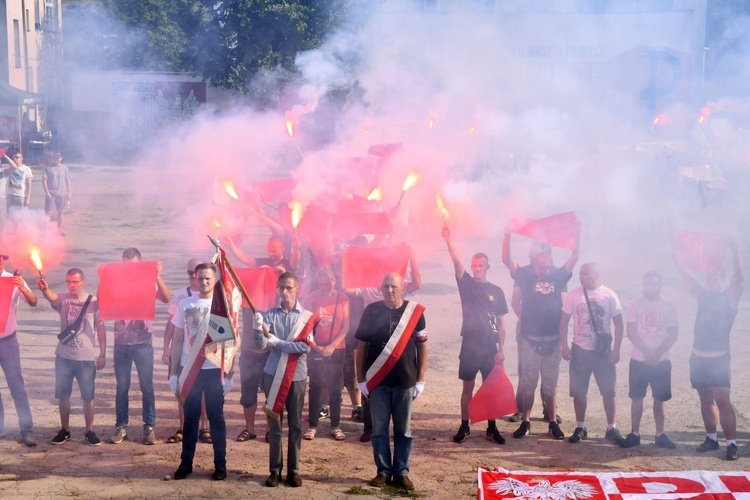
(363, 388)
(227, 385)
(418, 390)
(257, 321)
(173, 383)
(272, 340)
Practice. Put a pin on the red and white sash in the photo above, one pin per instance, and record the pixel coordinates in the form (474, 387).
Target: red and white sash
(282, 379)
(392, 351)
(196, 357)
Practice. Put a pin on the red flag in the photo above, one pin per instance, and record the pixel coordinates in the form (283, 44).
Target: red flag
(6, 294)
(275, 189)
(260, 283)
(224, 321)
(494, 398)
(559, 230)
(127, 291)
(3, 150)
(699, 251)
(347, 224)
(365, 267)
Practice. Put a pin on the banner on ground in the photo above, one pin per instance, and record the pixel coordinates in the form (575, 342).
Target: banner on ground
(559, 230)
(697, 485)
(127, 291)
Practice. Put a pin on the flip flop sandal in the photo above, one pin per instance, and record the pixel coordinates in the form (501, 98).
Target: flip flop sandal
(310, 434)
(205, 436)
(176, 438)
(338, 434)
(246, 435)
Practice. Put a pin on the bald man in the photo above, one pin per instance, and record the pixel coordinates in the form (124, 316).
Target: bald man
(595, 308)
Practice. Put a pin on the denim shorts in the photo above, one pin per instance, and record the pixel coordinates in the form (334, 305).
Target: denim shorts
(66, 370)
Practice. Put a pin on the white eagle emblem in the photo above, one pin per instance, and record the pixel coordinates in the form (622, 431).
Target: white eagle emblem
(543, 490)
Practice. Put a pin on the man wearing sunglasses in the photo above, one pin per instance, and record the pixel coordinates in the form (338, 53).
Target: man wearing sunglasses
(10, 358)
(18, 187)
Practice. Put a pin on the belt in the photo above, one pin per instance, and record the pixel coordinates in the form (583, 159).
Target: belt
(9, 337)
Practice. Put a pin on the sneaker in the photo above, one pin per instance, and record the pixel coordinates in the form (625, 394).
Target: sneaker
(324, 412)
(579, 434)
(614, 435)
(708, 445)
(461, 435)
(733, 453)
(554, 431)
(120, 435)
(662, 441)
(91, 439)
(357, 414)
(516, 417)
(494, 435)
(61, 437)
(523, 430)
(149, 437)
(631, 440)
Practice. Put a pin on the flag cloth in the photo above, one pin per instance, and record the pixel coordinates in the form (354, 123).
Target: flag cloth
(260, 283)
(6, 294)
(494, 398)
(365, 267)
(275, 189)
(559, 230)
(698, 485)
(699, 251)
(127, 290)
(223, 324)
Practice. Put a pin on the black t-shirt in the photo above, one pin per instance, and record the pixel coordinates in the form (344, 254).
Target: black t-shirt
(265, 261)
(713, 322)
(481, 304)
(376, 327)
(541, 300)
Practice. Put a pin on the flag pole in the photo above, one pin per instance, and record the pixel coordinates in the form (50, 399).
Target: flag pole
(243, 291)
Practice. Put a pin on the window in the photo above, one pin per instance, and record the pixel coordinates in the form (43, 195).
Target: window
(17, 42)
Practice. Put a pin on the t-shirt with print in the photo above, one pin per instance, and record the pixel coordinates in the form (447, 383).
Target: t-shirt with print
(177, 296)
(324, 308)
(653, 319)
(605, 305)
(16, 183)
(57, 179)
(193, 315)
(82, 346)
(541, 301)
(481, 304)
(11, 325)
(376, 327)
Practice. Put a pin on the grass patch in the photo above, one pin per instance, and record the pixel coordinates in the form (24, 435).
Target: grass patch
(358, 490)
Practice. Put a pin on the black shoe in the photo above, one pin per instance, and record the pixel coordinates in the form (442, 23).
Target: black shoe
(183, 472)
(28, 440)
(631, 440)
(61, 437)
(91, 439)
(708, 445)
(578, 435)
(324, 412)
(294, 480)
(273, 480)
(516, 417)
(662, 441)
(614, 435)
(461, 435)
(494, 435)
(365, 437)
(523, 430)
(357, 414)
(554, 431)
(733, 453)
(220, 474)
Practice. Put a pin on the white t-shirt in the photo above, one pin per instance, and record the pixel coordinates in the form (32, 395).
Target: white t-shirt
(653, 318)
(16, 180)
(604, 304)
(11, 325)
(177, 297)
(193, 315)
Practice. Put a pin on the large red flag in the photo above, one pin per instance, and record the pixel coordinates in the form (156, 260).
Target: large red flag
(494, 398)
(260, 283)
(127, 291)
(699, 251)
(559, 230)
(365, 267)
(6, 293)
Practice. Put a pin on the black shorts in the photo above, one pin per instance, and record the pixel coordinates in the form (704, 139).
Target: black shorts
(251, 374)
(582, 364)
(475, 358)
(658, 376)
(708, 372)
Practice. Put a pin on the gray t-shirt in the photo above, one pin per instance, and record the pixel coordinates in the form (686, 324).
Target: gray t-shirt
(82, 347)
(57, 179)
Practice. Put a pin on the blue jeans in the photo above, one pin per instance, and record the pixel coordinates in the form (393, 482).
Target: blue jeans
(386, 403)
(208, 383)
(10, 360)
(143, 357)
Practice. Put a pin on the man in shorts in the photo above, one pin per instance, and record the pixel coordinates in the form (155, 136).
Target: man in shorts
(652, 328)
(482, 332)
(709, 362)
(75, 358)
(594, 308)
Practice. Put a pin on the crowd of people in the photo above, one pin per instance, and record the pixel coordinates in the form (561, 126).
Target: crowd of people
(373, 343)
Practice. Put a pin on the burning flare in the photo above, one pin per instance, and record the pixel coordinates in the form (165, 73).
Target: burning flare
(364, 131)
(296, 213)
(229, 188)
(704, 114)
(290, 128)
(216, 223)
(432, 123)
(658, 119)
(36, 258)
(411, 179)
(441, 207)
(375, 195)
(472, 129)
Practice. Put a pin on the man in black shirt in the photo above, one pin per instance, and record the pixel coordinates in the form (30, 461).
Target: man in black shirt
(482, 333)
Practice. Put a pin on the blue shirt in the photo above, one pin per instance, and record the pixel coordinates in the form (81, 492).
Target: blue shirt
(281, 324)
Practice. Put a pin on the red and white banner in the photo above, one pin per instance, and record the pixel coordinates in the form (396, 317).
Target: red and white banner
(223, 324)
(559, 230)
(696, 485)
